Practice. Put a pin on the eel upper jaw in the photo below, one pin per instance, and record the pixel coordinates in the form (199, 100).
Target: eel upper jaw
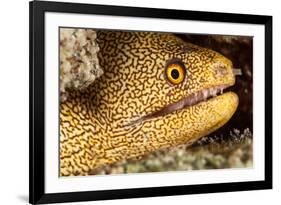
(185, 102)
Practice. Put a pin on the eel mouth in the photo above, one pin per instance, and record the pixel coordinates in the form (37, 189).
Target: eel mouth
(193, 99)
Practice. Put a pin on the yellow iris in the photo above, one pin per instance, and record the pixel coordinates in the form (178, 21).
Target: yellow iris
(175, 73)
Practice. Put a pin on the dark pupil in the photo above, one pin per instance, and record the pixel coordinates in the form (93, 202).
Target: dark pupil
(175, 74)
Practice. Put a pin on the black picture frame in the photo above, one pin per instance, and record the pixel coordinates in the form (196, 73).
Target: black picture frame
(37, 9)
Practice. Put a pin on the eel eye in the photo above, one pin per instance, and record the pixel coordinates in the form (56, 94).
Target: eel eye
(175, 72)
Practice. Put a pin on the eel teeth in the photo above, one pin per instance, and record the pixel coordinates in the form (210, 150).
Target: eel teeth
(205, 94)
(221, 91)
(188, 101)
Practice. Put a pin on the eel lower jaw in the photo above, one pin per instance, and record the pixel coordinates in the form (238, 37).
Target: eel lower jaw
(193, 99)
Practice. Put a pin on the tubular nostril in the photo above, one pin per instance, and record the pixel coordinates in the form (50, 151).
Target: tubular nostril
(237, 71)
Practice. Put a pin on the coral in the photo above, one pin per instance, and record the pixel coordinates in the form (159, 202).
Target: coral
(79, 64)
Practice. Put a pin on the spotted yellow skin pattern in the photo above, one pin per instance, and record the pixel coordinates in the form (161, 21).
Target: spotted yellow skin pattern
(95, 127)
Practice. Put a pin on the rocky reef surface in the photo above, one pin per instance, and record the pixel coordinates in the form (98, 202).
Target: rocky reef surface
(79, 64)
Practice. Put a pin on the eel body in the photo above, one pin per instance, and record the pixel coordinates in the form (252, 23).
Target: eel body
(157, 91)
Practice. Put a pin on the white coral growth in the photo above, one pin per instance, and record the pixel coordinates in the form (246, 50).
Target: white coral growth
(79, 64)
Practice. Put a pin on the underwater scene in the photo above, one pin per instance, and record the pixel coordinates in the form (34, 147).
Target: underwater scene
(140, 102)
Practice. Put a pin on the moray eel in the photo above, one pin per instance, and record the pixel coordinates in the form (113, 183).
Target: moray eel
(157, 91)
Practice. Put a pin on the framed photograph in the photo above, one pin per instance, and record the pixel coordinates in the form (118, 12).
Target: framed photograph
(140, 102)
